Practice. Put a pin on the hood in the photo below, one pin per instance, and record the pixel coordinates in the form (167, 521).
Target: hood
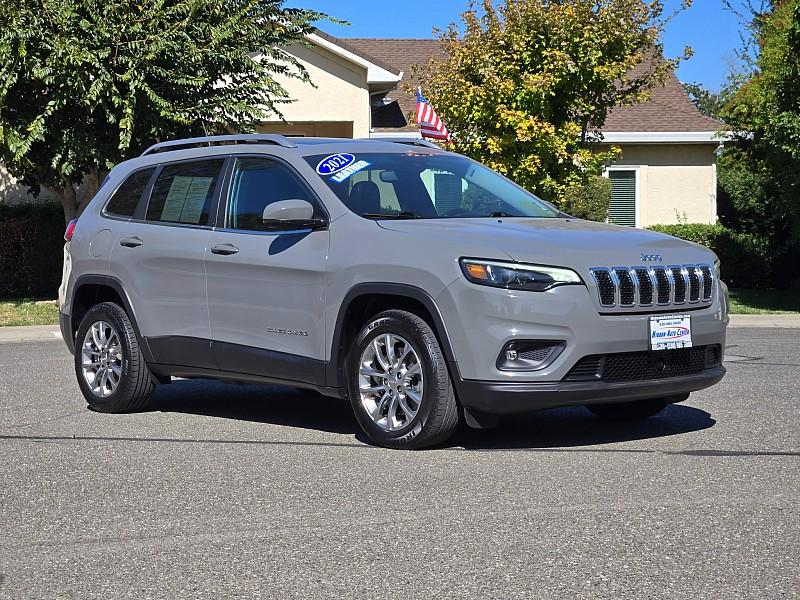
(558, 242)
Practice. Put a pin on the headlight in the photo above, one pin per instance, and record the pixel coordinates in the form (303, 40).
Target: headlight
(515, 276)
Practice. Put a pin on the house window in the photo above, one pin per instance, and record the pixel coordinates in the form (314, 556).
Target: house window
(623, 197)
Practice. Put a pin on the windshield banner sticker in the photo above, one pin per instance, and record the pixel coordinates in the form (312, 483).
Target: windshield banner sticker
(348, 171)
(334, 163)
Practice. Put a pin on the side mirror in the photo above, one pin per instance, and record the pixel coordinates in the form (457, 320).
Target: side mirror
(290, 214)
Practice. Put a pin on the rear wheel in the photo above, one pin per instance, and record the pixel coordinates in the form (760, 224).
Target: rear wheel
(628, 411)
(399, 385)
(110, 367)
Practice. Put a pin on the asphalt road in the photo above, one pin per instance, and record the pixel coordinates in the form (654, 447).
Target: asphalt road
(231, 491)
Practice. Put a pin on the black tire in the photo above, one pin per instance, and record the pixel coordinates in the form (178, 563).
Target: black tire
(136, 384)
(437, 415)
(628, 411)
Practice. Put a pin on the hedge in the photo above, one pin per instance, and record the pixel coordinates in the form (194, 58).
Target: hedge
(589, 201)
(745, 260)
(31, 250)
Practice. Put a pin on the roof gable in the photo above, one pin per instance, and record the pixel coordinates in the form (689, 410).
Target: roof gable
(378, 71)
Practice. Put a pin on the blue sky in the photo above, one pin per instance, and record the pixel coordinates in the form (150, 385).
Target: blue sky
(707, 27)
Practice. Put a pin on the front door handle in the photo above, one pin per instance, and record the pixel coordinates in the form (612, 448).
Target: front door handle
(224, 249)
(131, 242)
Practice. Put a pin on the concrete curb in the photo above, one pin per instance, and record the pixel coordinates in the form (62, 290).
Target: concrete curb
(40, 333)
(29, 333)
(778, 321)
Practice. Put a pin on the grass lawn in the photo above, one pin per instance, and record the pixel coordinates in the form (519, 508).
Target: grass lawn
(27, 312)
(765, 302)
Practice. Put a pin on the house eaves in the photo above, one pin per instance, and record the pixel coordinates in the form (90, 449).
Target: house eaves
(664, 137)
(378, 72)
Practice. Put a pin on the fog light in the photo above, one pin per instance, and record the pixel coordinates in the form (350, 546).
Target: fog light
(713, 357)
(528, 355)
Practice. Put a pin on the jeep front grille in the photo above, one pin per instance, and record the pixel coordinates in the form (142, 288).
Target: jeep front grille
(639, 285)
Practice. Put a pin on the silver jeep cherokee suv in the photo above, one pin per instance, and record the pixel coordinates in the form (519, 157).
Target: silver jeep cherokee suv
(424, 287)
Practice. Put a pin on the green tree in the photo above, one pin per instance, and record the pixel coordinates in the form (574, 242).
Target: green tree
(85, 84)
(760, 168)
(590, 200)
(525, 87)
(709, 103)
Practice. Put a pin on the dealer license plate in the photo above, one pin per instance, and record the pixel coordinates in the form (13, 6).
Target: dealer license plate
(670, 331)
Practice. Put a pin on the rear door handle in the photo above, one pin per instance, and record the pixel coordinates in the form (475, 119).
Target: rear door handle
(224, 249)
(131, 242)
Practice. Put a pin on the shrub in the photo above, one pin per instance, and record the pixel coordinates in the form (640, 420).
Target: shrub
(589, 201)
(31, 250)
(744, 258)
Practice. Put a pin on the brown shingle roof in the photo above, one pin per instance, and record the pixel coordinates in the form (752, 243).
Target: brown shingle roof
(669, 108)
(345, 44)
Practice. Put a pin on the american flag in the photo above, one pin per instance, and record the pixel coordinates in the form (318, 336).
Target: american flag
(430, 125)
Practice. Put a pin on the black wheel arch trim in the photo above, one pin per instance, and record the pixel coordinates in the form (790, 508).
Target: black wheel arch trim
(116, 285)
(335, 368)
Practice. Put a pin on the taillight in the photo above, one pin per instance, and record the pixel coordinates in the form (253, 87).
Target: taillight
(70, 230)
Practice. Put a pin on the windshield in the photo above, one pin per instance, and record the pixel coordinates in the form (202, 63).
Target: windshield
(420, 185)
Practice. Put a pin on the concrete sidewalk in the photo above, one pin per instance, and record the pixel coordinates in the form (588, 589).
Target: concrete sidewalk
(39, 333)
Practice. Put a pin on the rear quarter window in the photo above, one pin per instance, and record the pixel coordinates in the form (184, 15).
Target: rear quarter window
(126, 198)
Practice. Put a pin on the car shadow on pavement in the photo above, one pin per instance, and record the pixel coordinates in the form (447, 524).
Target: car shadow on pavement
(555, 428)
(577, 427)
(258, 403)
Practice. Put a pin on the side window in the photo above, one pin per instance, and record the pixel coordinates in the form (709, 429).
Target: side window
(183, 193)
(124, 201)
(257, 183)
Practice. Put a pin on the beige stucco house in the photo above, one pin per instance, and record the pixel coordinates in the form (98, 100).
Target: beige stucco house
(666, 174)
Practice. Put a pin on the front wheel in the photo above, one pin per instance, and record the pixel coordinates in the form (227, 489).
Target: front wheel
(399, 385)
(628, 411)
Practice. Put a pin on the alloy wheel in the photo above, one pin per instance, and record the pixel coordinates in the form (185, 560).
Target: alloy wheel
(101, 359)
(390, 381)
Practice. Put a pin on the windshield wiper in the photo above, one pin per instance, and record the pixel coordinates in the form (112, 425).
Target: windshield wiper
(406, 214)
(498, 214)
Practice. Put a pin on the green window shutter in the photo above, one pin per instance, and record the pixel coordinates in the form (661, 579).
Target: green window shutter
(623, 198)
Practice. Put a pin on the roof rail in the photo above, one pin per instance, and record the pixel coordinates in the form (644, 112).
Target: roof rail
(211, 140)
(408, 141)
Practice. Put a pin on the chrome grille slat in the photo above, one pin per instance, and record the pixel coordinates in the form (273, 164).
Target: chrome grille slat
(701, 282)
(636, 287)
(663, 290)
(605, 286)
(645, 286)
(708, 282)
(627, 289)
(694, 284)
(671, 281)
(615, 281)
(681, 283)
